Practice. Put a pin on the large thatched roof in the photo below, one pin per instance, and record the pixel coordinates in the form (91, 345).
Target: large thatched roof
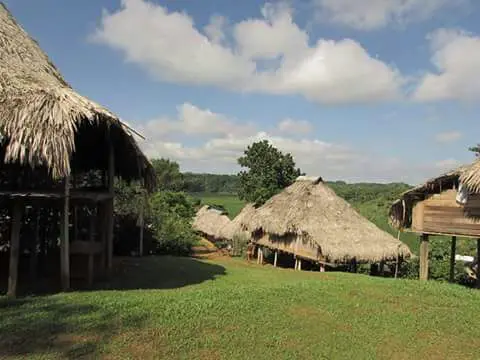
(210, 222)
(311, 210)
(46, 123)
(401, 209)
(241, 223)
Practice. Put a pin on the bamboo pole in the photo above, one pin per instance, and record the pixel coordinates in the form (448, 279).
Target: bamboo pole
(275, 259)
(14, 247)
(423, 273)
(452, 258)
(64, 239)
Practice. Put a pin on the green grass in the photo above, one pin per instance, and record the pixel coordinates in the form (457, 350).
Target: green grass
(227, 309)
(230, 202)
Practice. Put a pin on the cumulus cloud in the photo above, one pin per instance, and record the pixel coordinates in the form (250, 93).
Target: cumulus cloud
(448, 136)
(269, 54)
(456, 57)
(375, 14)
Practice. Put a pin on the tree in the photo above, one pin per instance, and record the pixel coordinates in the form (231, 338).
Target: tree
(269, 171)
(476, 150)
(168, 175)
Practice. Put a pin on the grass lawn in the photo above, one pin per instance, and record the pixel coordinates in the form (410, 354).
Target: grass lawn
(227, 309)
(231, 203)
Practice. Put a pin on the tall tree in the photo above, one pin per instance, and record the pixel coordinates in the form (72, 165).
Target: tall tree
(476, 150)
(268, 171)
(168, 174)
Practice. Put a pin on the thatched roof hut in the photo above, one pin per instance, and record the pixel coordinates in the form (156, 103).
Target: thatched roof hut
(45, 123)
(210, 222)
(309, 220)
(241, 223)
(401, 209)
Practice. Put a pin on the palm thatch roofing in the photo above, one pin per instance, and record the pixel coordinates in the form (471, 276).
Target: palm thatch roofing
(309, 210)
(401, 209)
(210, 222)
(45, 123)
(241, 223)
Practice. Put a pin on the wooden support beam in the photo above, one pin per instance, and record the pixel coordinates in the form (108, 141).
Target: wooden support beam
(322, 267)
(258, 255)
(478, 263)
(109, 207)
(16, 225)
(34, 247)
(64, 239)
(452, 258)
(299, 265)
(423, 273)
(91, 256)
(275, 258)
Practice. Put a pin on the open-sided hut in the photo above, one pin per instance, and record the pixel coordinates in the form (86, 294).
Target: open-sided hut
(210, 222)
(310, 221)
(59, 155)
(448, 204)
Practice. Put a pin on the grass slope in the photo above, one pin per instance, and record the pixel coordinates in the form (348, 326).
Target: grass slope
(227, 309)
(232, 204)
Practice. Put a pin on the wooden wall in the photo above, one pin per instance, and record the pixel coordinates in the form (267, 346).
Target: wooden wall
(440, 214)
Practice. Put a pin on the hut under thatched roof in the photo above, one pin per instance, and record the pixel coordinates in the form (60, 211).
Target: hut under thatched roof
(210, 221)
(58, 150)
(240, 225)
(44, 122)
(448, 204)
(310, 221)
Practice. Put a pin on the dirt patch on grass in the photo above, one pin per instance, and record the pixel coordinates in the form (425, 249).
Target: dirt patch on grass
(138, 344)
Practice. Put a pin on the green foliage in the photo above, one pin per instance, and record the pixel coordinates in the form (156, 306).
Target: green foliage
(269, 171)
(210, 183)
(168, 174)
(190, 309)
(475, 149)
(230, 203)
(171, 216)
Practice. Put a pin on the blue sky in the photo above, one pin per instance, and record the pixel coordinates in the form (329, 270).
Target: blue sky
(371, 90)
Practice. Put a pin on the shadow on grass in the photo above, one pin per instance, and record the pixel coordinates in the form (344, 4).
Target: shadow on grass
(52, 326)
(159, 272)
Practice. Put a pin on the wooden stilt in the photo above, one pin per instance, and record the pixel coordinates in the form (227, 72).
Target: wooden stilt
(258, 255)
(140, 240)
(64, 239)
(296, 263)
(34, 248)
(423, 273)
(478, 263)
(452, 258)
(261, 256)
(109, 207)
(91, 256)
(275, 258)
(322, 267)
(14, 247)
(299, 265)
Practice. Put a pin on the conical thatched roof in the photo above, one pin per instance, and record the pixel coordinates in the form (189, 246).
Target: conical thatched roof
(310, 210)
(241, 223)
(210, 222)
(45, 122)
(470, 177)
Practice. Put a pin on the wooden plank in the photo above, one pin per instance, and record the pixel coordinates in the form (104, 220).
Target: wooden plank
(451, 230)
(417, 216)
(64, 239)
(452, 258)
(16, 224)
(423, 273)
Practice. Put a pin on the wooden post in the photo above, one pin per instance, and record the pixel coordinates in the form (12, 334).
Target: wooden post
(423, 273)
(258, 255)
(478, 263)
(296, 263)
(354, 265)
(275, 258)
(299, 264)
(452, 258)
(109, 207)
(140, 240)
(322, 267)
(91, 255)
(16, 225)
(34, 248)
(64, 239)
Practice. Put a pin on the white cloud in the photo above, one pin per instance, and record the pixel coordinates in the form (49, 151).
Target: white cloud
(448, 136)
(374, 14)
(270, 54)
(456, 56)
(218, 151)
(291, 126)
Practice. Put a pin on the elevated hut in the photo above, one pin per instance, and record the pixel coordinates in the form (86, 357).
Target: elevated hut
(309, 221)
(210, 222)
(59, 154)
(448, 204)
